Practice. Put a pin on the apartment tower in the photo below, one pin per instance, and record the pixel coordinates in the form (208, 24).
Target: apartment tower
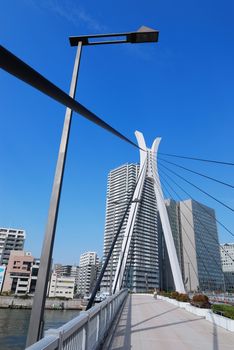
(135, 262)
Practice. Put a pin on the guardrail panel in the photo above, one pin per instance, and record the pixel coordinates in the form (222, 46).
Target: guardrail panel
(85, 332)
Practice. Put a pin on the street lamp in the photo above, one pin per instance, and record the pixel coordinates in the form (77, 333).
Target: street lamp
(36, 324)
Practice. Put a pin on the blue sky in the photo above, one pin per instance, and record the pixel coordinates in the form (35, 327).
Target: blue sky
(180, 89)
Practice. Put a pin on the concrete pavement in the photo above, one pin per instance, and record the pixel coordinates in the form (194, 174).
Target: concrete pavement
(146, 323)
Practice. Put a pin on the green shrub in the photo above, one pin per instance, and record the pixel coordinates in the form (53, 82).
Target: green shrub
(201, 300)
(183, 297)
(164, 293)
(174, 295)
(224, 310)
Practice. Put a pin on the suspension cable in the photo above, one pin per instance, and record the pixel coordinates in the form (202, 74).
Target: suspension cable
(192, 226)
(207, 230)
(198, 188)
(135, 209)
(197, 159)
(191, 241)
(13, 65)
(201, 206)
(197, 173)
(94, 292)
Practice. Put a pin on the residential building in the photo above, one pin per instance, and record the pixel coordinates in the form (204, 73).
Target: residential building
(158, 239)
(142, 269)
(87, 276)
(61, 286)
(33, 275)
(227, 259)
(88, 258)
(67, 271)
(10, 239)
(18, 273)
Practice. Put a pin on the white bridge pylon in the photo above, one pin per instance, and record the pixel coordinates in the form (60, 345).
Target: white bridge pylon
(148, 168)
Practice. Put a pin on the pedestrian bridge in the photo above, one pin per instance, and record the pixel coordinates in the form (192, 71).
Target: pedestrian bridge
(138, 322)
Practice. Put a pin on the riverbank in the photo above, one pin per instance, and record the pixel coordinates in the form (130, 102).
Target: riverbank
(12, 302)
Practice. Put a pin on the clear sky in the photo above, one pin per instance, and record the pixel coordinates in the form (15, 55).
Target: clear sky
(181, 89)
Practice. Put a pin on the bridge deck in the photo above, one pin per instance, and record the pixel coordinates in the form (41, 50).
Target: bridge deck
(147, 323)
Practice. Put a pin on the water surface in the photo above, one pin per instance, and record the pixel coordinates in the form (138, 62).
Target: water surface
(14, 325)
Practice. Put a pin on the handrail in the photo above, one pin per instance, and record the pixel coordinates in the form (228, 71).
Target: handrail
(86, 331)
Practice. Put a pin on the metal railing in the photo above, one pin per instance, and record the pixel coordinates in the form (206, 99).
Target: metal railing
(86, 331)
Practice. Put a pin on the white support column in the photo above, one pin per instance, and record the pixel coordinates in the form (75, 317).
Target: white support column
(148, 168)
(175, 267)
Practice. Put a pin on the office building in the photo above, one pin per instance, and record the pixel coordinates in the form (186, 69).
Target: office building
(202, 268)
(10, 239)
(227, 259)
(167, 282)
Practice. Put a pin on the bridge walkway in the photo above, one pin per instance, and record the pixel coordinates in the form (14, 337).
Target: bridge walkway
(148, 324)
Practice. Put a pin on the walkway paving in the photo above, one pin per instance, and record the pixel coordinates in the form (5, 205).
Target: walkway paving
(147, 323)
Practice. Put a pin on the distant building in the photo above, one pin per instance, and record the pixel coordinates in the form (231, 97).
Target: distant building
(88, 270)
(227, 258)
(88, 258)
(10, 239)
(33, 275)
(67, 271)
(18, 273)
(61, 286)
(2, 275)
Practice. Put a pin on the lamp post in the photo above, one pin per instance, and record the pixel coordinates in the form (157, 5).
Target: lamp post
(36, 323)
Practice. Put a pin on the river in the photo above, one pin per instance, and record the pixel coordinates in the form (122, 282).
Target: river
(14, 325)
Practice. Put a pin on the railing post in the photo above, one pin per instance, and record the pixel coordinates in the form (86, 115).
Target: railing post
(87, 335)
(84, 338)
(60, 340)
(98, 327)
(87, 331)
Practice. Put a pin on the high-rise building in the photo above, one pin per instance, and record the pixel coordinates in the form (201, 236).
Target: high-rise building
(167, 282)
(142, 269)
(136, 258)
(181, 234)
(227, 258)
(196, 240)
(200, 247)
(87, 275)
(173, 214)
(88, 258)
(120, 186)
(10, 239)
